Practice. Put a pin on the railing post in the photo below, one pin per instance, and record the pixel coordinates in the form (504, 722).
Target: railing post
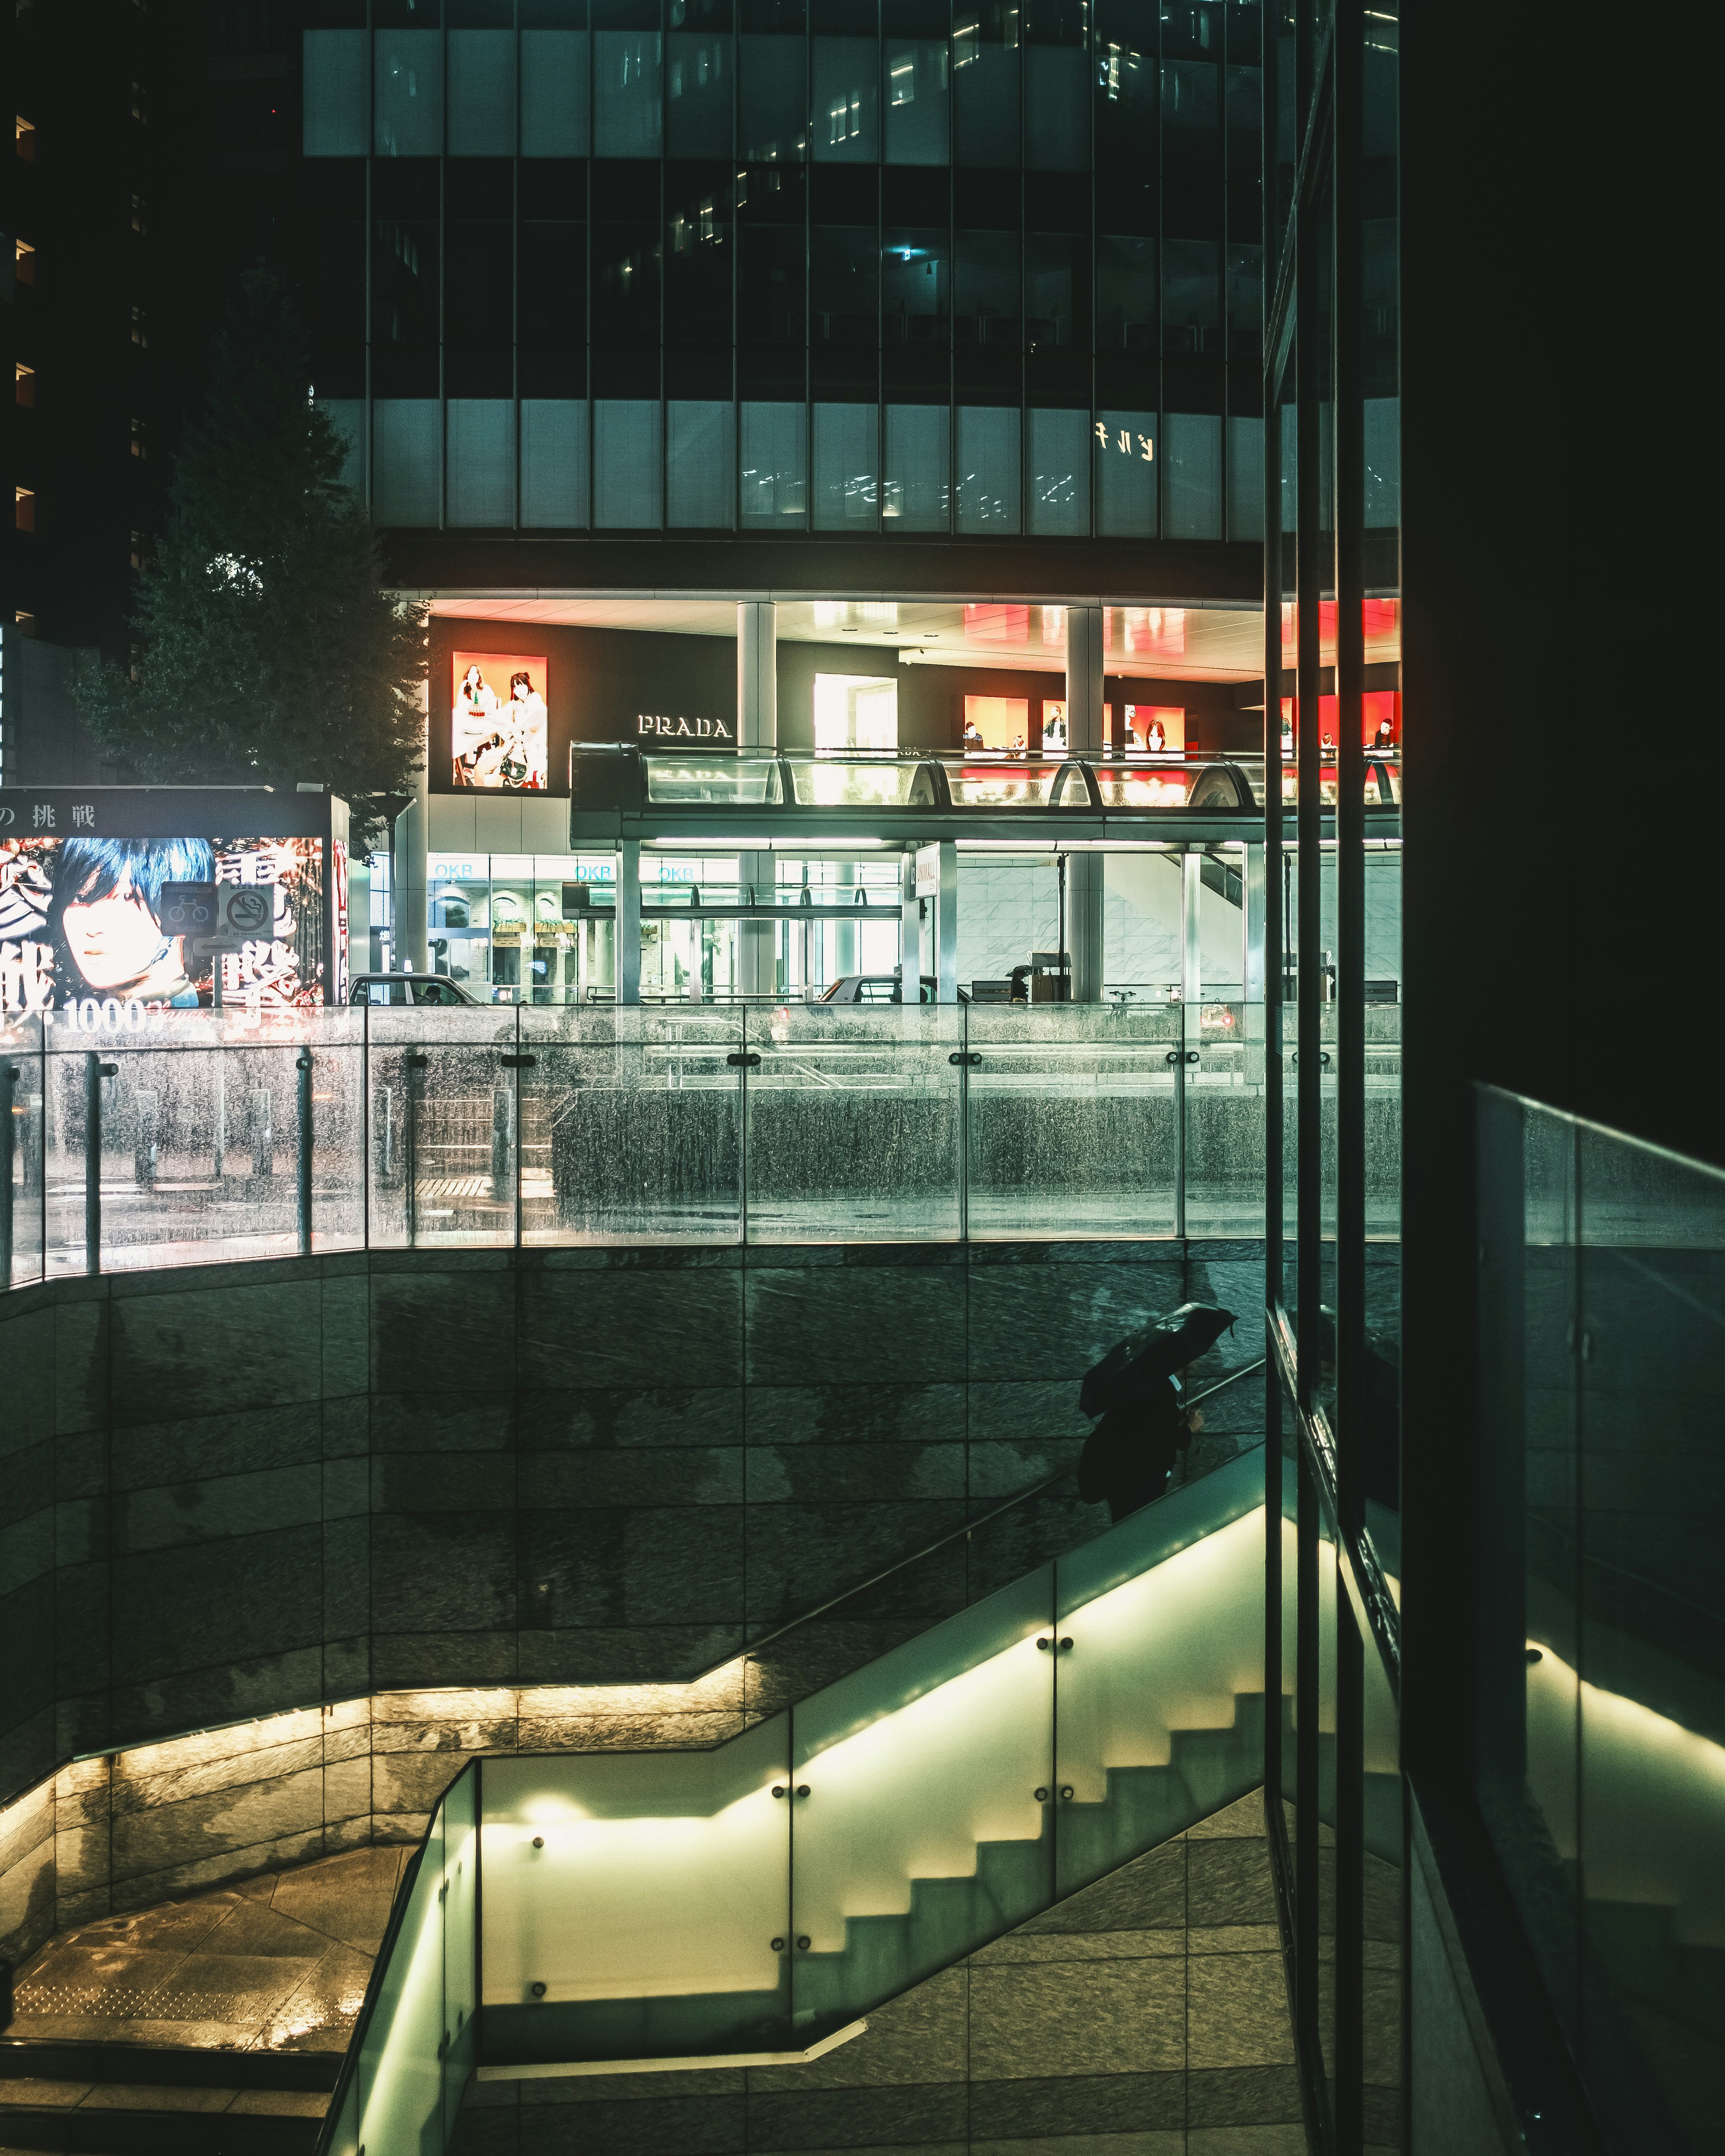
(95, 1070)
(303, 1194)
(9, 1087)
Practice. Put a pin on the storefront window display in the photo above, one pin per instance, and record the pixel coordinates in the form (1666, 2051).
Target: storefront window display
(528, 927)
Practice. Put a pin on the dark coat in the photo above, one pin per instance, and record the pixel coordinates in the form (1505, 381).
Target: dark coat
(1128, 1456)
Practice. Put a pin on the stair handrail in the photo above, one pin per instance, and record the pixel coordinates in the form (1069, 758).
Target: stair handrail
(964, 1531)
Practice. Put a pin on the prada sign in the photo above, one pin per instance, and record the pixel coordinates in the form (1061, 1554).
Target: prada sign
(657, 727)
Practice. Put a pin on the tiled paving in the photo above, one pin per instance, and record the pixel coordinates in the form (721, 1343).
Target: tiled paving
(278, 1965)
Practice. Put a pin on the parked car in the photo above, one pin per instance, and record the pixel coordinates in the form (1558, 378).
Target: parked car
(400, 989)
(876, 989)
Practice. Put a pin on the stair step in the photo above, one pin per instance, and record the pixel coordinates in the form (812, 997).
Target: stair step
(118, 2118)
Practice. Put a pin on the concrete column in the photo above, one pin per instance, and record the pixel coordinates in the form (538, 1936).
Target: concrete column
(757, 674)
(1253, 976)
(1191, 978)
(758, 941)
(910, 934)
(1084, 681)
(628, 954)
(1086, 884)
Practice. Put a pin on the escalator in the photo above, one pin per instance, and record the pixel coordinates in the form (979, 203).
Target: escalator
(750, 1903)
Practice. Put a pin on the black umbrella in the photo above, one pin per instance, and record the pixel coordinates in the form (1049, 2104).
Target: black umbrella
(1132, 1368)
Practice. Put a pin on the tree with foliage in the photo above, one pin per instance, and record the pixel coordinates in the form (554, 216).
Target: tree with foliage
(269, 652)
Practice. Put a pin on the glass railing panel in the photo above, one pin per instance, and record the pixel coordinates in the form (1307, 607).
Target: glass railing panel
(1160, 1694)
(822, 782)
(1320, 1829)
(23, 1077)
(1384, 1952)
(1072, 1120)
(717, 780)
(1651, 1622)
(1224, 1109)
(854, 1124)
(460, 1930)
(632, 1125)
(1012, 786)
(926, 1828)
(443, 1112)
(1166, 786)
(399, 2067)
(635, 1904)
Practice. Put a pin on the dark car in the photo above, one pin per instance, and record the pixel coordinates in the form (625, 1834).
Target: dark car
(400, 989)
(876, 989)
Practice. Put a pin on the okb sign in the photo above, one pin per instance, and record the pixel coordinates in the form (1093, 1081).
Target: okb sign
(658, 726)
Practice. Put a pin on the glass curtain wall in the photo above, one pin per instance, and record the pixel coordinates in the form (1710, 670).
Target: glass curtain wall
(844, 265)
(1332, 625)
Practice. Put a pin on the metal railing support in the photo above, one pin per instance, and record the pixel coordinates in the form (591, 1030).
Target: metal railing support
(95, 1070)
(303, 1207)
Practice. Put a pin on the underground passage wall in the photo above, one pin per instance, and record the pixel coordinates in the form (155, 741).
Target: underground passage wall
(232, 1491)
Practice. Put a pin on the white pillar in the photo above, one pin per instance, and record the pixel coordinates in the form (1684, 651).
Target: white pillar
(1191, 976)
(757, 674)
(1083, 681)
(758, 941)
(627, 954)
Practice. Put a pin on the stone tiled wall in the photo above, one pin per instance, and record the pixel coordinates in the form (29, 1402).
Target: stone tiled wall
(1145, 2016)
(239, 1492)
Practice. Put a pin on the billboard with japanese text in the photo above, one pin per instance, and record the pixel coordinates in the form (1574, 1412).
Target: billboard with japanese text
(81, 918)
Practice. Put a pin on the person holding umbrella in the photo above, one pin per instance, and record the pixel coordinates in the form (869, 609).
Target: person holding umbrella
(1143, 1428)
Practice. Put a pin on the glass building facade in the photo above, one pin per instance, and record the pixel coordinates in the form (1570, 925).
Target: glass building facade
(1339, 1843)
(845, 266)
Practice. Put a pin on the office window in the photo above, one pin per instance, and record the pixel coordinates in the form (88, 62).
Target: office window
(554, 480)
(988, 468)
(846, 100)
(407, 112)
(1383, 461)
(1124, 453)
(697, 265)
(341, 279)
(1127, 101)
(625, 284)
(987, 293)
(480, 476)
(918, 121)
(846, 467)
(407, 458)
(773, 283)
(1050, 278)
(627, 69)
(405, 281)
(917, 494)
(1126, 294)
(1059, 459)
(985, 85)
(775, 467)
(844, 285)
(481, 98)
(628, 481)
(773, 104)
(554, 93)
(479, 285)
(348, 416)
(1191, 297)
(916, 288)
(1245, 479)
(1057, 98)
(698, 94)
(701, 457)
(337, 98)
(1191, 453)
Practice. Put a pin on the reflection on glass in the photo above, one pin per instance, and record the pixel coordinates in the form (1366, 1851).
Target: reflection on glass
(744, 780)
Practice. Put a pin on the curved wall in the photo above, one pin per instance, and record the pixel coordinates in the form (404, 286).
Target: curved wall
(243, 1491)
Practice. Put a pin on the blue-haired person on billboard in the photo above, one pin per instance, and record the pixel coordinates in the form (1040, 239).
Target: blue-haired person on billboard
(104, 922)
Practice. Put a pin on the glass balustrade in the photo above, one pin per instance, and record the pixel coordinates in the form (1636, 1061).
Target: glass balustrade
(215, 1138)
(748, 1903)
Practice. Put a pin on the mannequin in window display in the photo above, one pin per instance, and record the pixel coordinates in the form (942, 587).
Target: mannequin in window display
(1383, 740)
(973, 735)
(1156, 738)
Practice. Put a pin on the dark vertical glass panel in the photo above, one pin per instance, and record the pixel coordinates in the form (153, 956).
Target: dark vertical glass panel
(846, 461)
(1126, 294)
(1191, 29)
(1057, 90)
(698, 252)
(1052, 290)
(341, 278)
(844, 285)
(408, 93)
(625, 282)
(1192, 171)
(1124, 451)
(1127, 101)
(772, 284)
(405, 280)
(774, 467)
(1057, 467)
(1243, 94)
(987, 468)
(915, 287)
(1245, 279)
(918, 88)
(557, 95)
(700, 465)
(628, 87)
(987, 295)
(1191, 297)
(917, 491)
(481, 116)
(986, 37)
(846, 96)
(699, 93)
(478, 304)
(774, 101)
(551, 306)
